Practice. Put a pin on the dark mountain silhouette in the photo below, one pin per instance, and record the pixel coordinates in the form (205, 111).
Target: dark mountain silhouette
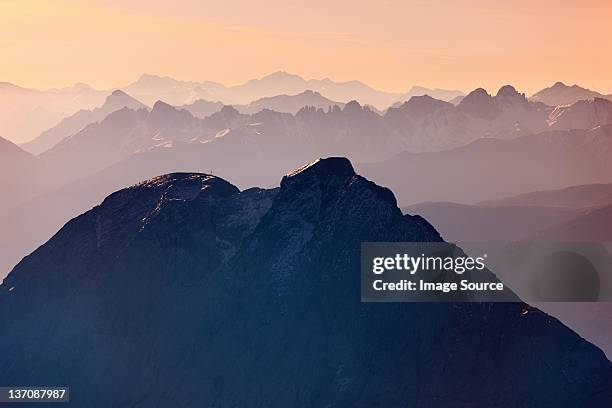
(193, 293)
(73, 124)
(19, 172)
(561, 94)
(491, 169)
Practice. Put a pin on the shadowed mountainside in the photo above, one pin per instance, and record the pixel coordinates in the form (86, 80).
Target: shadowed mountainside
(196, 293)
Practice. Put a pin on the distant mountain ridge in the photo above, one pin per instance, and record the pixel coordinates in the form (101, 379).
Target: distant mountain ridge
(278, 103)
(149, 88)
(561, 94)
(25, 113)
(447, 95)
(72, 124)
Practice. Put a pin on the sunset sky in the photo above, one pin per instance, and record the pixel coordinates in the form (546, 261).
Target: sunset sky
(388, 44)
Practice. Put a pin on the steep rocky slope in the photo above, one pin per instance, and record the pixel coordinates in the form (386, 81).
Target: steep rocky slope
(185, 291)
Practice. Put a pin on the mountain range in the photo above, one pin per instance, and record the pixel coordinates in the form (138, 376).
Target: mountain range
(279, 103)
(131, 145)
(26, 113)
(184, 290)
(150, 88)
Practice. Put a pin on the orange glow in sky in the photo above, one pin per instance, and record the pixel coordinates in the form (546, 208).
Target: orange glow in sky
(388, 44)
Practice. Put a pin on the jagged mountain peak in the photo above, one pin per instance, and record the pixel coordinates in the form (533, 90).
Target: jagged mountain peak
(422, 105)
(229, 110)
(478, 93)
(509, 96)
(322, 168)
(188, 185)
(117, 93)
(479, 103)
(352, 106)
(119, 99)
(164, 111)
(161, 106)
(332, 176)
(507, 91)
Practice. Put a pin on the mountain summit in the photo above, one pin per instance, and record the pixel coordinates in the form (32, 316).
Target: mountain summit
(185, 291)
(561, 94)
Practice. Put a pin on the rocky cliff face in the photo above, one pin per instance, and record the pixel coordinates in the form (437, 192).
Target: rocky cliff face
(185, 291)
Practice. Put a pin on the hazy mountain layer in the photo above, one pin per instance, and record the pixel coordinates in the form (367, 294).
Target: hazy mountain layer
(150, 88)
(18, 170)
(491, 169)
(583, 196)
(479, 223)
(73, 124)
(25, 113)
